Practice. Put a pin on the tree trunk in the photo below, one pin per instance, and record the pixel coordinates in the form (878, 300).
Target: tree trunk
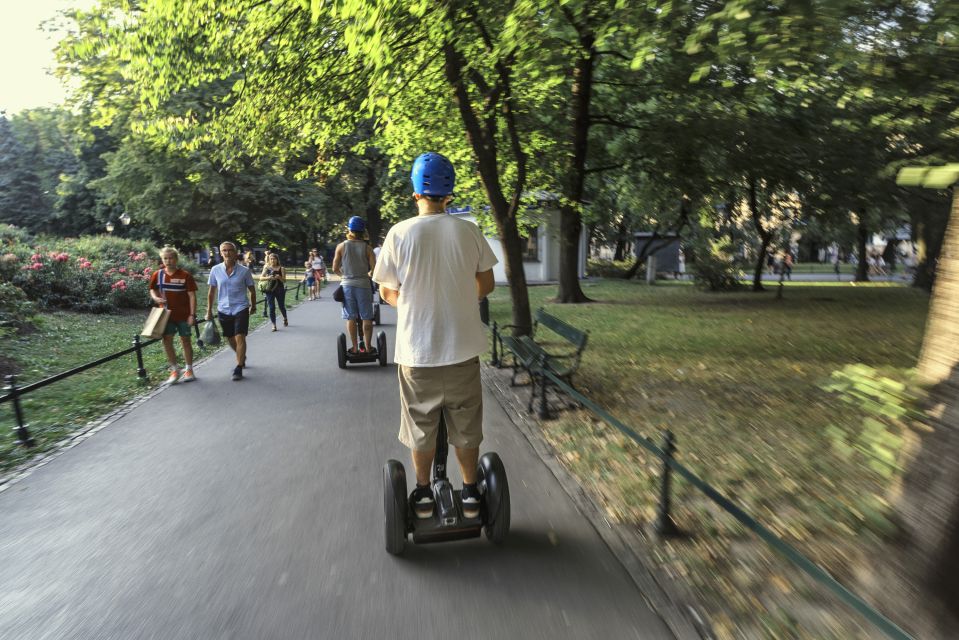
(931, 230)
(571, 223)
(921, 589)
(764, 236)
(483, 141)
(862, 235)
(374, 200)
(621, 242)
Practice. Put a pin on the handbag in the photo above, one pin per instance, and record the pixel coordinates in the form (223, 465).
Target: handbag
(156, 322)
(269, 286)
(338, 294)
(209, 337)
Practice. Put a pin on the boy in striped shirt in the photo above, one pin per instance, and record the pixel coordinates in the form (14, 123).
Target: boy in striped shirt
(175, 288)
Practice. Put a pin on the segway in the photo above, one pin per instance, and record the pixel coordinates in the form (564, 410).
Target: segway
(343, 355)
(447, 522)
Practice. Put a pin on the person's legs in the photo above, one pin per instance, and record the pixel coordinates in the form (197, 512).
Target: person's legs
(170, 352)
(240, 350)
(351, 313)
(423, 463)
(468, 459)
(368, 333)
(271, 307)
(185, 340)
(351, 330)
(280, 296)
(364, 307)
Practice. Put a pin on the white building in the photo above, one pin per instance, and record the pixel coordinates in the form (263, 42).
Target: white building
(541, 258)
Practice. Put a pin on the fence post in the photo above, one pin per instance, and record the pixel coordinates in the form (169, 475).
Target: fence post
(141, 371)
(22, 434)
(664, 523)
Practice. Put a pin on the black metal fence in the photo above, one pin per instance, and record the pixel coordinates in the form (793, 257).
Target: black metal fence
(665, 524)
(13, 391)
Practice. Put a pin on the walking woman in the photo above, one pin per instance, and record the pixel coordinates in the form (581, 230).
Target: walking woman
(273, 278)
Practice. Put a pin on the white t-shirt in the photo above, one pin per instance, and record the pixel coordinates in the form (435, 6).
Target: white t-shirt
(433, 261)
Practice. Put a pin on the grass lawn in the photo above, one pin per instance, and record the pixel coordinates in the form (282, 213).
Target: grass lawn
(736, 377)
(64, 340)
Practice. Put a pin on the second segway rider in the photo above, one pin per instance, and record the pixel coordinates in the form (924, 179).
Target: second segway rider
(434, 269)
(354, 262)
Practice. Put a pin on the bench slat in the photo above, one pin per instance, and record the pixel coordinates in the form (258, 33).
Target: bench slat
(560, 328)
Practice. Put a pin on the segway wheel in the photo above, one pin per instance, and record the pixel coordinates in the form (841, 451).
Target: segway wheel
(394, 504)
(495, 486)
(376, 314)
(341, 351)
(381, 347)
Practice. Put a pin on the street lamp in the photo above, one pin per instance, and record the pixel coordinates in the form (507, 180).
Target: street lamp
(110, 227)
(125, 219)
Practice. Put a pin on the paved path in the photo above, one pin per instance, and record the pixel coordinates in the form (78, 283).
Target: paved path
(253, 509)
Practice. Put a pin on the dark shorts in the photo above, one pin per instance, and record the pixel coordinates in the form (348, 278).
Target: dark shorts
(238, 325)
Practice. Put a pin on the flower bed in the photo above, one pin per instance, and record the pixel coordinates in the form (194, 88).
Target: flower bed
(91, 274)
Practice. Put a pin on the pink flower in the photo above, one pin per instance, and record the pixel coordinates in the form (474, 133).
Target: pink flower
(36, 266)
(36, 257)
(122, 270)
(111, 272)
(86, 264)
(119, 284)
(147, 271)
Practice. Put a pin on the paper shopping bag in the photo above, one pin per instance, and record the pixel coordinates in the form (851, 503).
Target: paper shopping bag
(156, 323)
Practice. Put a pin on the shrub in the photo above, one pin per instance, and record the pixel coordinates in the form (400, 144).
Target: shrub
(15, 309)
(608, 268)
(714, 265)
(93, 273)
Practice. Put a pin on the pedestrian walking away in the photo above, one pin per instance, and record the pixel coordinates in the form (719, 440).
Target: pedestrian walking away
(175, 289)
(319, 273)
(353, 261)
(230, 283)
(273, 286)
(435, 268)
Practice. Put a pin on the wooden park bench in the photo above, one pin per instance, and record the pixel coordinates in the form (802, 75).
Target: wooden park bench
(536, 354)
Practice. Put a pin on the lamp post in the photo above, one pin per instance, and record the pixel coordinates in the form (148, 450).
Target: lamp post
(125, 219)
(110, 227)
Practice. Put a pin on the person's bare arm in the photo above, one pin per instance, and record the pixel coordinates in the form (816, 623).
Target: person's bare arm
(252, 291)
(484, 283)
(338, 259)
(371, 257)
(192, 297)
(210, 295)
(389, 295)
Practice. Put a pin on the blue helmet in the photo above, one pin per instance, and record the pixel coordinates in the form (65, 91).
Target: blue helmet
(356, 224)
(433, 175)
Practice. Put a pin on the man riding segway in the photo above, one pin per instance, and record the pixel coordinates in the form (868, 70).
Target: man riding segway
(353, 261)
(434, 268)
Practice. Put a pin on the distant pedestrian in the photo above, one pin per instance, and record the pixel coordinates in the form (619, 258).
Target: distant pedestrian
(319, 272)
(788, 265)
(770, 263)
(229, 283)
(175, 289)
(274, 277)
(309, 276)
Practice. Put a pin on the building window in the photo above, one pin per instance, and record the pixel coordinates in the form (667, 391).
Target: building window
(531, 251)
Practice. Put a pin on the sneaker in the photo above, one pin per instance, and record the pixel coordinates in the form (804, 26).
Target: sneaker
(172, 378)
(422, 501)
(188, 376)
(470, 496)
(238, 373)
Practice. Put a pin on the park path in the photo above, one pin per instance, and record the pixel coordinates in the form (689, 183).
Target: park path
(253, 509)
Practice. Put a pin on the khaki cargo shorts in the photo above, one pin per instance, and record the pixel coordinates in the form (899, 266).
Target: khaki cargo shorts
(455, 390)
